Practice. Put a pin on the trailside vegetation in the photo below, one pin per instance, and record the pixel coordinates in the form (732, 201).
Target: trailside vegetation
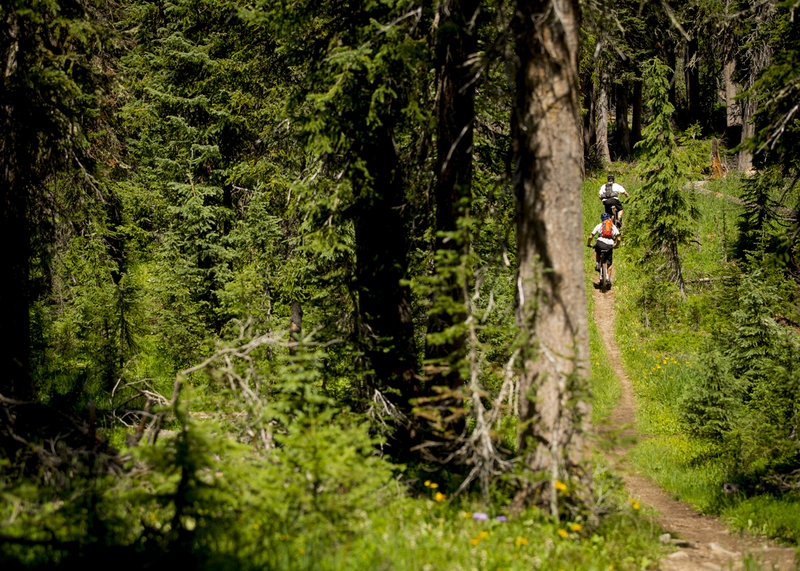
(298, 285)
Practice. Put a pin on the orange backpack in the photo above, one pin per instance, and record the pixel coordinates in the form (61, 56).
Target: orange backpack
(607, 231)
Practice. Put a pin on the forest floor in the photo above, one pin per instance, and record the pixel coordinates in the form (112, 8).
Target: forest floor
(702, 542)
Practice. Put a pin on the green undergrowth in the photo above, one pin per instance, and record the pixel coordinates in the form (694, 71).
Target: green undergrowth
(325, 501)
(664, 339)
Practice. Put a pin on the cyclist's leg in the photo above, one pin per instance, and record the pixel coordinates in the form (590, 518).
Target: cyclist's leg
(615, 203)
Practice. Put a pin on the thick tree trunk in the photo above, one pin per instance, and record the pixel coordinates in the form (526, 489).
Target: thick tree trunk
(16, 161)
(384, 306)
(455, 113)
(730, 90)
(554, 410)
(672, 62)
(456, 44)
(692, 78)
(589, 132)
(636, 115)
(295, 326)
(745, 158)
(623, 137)
(14, 287)
(603, 151)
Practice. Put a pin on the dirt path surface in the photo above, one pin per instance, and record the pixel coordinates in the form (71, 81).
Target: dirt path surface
(703, 542)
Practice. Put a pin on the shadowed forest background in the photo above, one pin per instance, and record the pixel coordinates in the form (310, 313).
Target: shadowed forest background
(303, 285)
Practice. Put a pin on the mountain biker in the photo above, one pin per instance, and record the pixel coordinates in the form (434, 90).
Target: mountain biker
(604, 242)
(609, 196)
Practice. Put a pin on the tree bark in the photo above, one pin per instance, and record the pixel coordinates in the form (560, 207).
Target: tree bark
(14, 287)
(554, 410)
(456, 44)
(623, 131)
(295, 326)
(589, 132)
(455, 113)
(603, 152)
(636, 115)
(733, 113)
(18, 153)
(745, 158)
(692, 78)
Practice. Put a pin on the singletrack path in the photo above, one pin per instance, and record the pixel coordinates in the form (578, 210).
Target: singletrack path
(703, 542)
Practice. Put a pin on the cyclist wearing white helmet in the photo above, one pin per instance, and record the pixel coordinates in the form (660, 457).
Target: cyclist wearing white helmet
(609, 196)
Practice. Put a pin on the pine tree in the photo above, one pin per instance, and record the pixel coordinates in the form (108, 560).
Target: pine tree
(48, 106)
(662, 210)
(357, 108)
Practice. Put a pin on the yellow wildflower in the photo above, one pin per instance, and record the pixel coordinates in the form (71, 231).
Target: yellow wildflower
(563, 532)
(483, 534)
(427, 483)
(561, 486)
(475, 540)
(433, 485)
(520, 541)
(439, 496)
(575, 527)
(636, 505)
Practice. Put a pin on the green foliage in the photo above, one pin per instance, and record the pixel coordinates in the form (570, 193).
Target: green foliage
(662, 211)
(695, 149)
(767, 234)
(706, 409)
(778, 90)
(685, 467)
(713, 374)
(246, 147)
(767, 515)
(320, 497)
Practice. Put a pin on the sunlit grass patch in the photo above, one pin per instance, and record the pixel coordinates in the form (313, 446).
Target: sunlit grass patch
(661, 380)
(604, 382)
(415, 538)
(684, 467)
(765, 515)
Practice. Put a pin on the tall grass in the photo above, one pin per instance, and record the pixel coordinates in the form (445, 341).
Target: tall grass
(661, 345)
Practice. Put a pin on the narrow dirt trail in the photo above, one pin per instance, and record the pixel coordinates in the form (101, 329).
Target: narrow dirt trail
(703, 542)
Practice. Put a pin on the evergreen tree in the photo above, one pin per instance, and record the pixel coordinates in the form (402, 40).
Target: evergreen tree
(357, 108)
(47, 106)
(662, 210)
(778, 89)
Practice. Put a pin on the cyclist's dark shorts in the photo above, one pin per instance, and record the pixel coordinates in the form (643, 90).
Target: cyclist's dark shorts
(601, 247)
(609, 202)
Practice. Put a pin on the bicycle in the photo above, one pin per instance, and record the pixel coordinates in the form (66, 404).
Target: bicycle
(605, 278)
